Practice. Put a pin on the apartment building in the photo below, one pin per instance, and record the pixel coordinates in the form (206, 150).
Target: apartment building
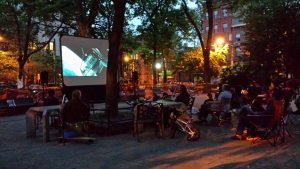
(230, 28)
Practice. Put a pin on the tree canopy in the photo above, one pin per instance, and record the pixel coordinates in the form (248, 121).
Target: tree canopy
(272, 36)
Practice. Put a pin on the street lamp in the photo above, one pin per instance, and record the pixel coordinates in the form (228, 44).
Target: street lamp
(220, 41)
(51, 48)
(1, 38)
(219, 47)
(126, 59)
(157, 66)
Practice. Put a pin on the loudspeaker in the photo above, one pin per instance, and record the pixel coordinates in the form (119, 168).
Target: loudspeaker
(44, 77)
(135, 76)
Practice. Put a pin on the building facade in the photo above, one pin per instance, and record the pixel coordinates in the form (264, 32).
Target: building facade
(230, 28)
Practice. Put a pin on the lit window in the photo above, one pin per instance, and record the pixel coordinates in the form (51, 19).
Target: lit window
(215, 14)
(215, 28)
(224, 12)
(238, 36)
(225, 27)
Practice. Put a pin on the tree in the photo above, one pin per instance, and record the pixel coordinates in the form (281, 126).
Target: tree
(93, 18)
(8, 66)
(272, 36)
(192, 60)
(113, 57)
(22, 21)
(161, 22)
(205, 46)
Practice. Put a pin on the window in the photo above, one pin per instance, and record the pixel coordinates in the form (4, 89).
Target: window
(206, 29)
(238, 36)
(215, 14)
(224, 12)
(230, 37)
(225, 27)
(215, 28)
(206, 15)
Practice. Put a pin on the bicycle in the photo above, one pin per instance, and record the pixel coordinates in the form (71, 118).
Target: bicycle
(184, 124)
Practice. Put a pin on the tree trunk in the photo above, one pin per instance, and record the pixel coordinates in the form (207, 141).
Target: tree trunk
(83, 28)
(113, 57)
(205, 47)
(207, 73)
(20, 80)
(206, 51)
(164, 67)
(154, 62)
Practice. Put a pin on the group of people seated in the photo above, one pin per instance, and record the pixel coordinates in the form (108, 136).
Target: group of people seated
(224, 98)
(73, 111)
(183, 96)
(253, 102)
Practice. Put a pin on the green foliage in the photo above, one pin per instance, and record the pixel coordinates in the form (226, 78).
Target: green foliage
(272, 35)
(192, 60)
(22, 21)
(8, 66)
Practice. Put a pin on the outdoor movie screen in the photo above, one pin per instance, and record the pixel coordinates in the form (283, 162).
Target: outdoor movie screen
(84, 61)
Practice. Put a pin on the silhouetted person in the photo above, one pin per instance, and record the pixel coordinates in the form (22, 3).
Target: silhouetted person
(203, 111)
(51, 99)
(257, 109)
(183, 96)
(75, 110)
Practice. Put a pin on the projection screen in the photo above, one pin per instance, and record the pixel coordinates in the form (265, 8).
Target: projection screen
(84, 61)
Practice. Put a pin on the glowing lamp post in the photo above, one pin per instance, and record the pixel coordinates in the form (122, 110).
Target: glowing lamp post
(52, 49)
(220, 41)
(157, 66)
(126, 59)
(220, 47)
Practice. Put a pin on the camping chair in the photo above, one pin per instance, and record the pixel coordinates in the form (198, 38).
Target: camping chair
(225, 115)
(271, 127)
(214, 108)
(147, 113)
(292, 117)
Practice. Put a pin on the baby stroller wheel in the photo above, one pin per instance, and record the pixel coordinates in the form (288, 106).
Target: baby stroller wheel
(193, 134)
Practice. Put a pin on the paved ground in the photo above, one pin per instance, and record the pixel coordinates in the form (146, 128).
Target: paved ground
(214, 150)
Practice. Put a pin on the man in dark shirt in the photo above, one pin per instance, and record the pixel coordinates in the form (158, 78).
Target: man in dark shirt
(203, 111)
(75, 110)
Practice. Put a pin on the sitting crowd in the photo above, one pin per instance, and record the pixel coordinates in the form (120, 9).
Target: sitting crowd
(255, 100)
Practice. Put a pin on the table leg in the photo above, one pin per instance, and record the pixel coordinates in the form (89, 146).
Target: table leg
(45, 126)
(162, 124)
(31, 123)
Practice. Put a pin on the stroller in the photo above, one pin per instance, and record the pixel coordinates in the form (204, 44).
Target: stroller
(184, 124)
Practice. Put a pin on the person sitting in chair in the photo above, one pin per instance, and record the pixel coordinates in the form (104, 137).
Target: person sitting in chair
(257, 109)
(75, 110)
(183, 96)
(203, 111)
(225, 98)
(51, 99)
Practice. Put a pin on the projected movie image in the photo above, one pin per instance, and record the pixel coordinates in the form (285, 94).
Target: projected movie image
(84, 61)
